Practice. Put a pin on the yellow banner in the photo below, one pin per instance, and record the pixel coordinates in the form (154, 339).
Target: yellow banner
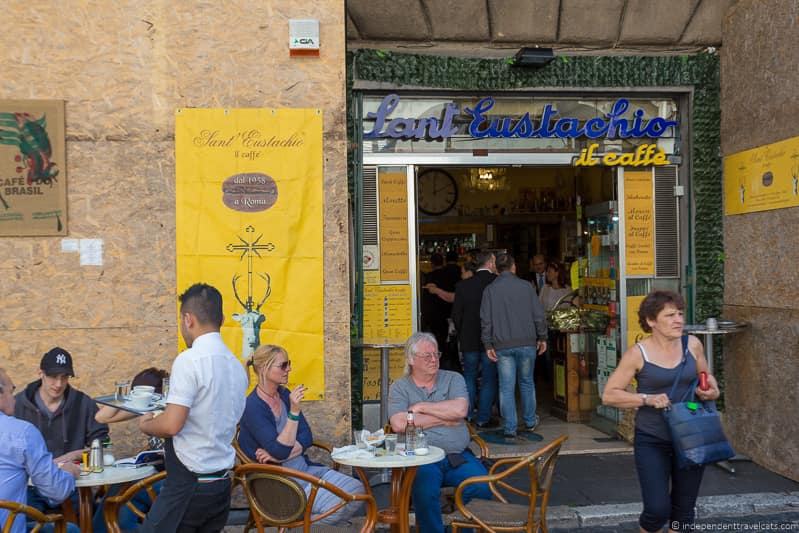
(639, 220)
(249, 222)
(393, 190)
(762, 178)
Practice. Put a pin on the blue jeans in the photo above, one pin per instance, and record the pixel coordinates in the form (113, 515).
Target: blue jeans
(664, 502)
(516, 365)
(427, 485)
(40, 503)
(127, 519)
(475, 363)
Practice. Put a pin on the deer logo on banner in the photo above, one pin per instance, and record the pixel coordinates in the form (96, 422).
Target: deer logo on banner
(252, 318)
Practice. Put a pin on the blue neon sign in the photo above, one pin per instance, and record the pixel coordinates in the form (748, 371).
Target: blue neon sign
(612, 126)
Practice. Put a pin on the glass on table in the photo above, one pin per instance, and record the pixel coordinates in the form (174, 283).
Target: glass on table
(121, 390)
(391, 443)
(357, 438)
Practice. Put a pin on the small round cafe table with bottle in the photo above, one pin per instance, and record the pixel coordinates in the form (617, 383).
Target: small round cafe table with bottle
(111, 475)
(403, 471)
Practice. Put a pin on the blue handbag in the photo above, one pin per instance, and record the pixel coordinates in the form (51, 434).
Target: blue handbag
(696, 431)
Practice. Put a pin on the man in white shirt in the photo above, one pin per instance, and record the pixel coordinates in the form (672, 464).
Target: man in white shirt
(205, 402)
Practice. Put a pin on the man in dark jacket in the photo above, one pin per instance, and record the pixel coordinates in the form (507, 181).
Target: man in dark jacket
(466, 316)
(513, 330)
(64, 415)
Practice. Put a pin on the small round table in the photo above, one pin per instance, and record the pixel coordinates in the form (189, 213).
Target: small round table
(403, 471)
(111, 475)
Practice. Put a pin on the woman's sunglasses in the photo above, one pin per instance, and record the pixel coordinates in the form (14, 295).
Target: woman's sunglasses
(285, 365)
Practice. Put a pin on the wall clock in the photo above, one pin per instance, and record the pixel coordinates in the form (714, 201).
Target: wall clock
(437, 191)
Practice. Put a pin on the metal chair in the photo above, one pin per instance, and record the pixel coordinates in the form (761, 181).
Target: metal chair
(15, 509)
(276, 499)
(496, 516)
(113, 504)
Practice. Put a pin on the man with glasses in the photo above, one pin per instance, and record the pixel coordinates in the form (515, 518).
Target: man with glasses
(63, 414)
(206, 399)
(439, 402)
(24, 456)
(514, 331)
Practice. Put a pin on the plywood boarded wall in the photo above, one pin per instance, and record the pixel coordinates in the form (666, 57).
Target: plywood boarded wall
(123, 68)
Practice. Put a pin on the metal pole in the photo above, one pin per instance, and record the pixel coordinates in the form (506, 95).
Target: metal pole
(384, 364)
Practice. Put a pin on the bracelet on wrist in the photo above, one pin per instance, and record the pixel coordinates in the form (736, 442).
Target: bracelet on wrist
(292, 416)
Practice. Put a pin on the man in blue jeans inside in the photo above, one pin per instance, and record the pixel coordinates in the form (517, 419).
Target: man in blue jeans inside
(466, 316)
(439, 402)
(514, 331)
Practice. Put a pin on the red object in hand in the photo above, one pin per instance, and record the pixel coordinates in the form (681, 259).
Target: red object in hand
(703, 381)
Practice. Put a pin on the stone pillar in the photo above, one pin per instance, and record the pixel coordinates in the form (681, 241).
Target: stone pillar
(759, 105)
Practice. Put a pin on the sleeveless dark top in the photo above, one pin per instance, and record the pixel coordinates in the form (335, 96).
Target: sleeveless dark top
(655, 379)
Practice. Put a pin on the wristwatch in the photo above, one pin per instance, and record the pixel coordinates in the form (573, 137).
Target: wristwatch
(644, 397)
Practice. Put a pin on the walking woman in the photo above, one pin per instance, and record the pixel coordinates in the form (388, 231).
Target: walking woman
(669, 493)
(274, 430)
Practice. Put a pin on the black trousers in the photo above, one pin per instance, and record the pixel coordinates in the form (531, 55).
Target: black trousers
(204, 510)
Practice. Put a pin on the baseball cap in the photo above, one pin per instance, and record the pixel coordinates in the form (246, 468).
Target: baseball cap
(57, 361)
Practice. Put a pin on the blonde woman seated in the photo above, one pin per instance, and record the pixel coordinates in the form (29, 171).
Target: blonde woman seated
(274, 430)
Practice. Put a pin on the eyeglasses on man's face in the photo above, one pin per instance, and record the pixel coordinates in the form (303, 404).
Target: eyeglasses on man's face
(428, 356)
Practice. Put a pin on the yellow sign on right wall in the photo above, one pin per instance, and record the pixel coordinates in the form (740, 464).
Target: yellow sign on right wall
(763, 178)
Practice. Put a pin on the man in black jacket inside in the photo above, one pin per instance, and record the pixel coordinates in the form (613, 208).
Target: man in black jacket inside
(466, 316)
(63, 414)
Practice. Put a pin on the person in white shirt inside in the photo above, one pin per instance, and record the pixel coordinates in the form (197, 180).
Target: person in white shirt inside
(206, 398)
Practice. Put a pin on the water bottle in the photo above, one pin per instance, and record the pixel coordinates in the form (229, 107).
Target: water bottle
(410, 434)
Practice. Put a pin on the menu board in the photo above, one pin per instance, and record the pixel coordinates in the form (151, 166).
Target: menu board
(371, 371)
(634, 331)
(387, 313)
(762, 178)
(393, 206)
(639, 223)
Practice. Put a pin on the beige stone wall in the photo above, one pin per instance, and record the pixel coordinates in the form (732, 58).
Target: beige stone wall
(760, 105)
(123, 68)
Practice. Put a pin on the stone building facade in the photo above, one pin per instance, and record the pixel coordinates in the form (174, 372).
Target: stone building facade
(123, 69)
(759, 106)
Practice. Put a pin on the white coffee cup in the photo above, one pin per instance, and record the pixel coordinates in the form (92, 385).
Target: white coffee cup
(140, 399)
(147, 388)
(711, 324)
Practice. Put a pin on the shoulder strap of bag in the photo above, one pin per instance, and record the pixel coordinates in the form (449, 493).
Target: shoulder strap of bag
(679, 368)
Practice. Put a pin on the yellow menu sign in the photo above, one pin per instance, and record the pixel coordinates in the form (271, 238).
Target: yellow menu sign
(386, 313)
(371, 371)
(393, 206)
(634, 331)
(762, 178)
(639, 223)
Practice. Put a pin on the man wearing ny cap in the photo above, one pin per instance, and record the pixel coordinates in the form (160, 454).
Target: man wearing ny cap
(63, 414)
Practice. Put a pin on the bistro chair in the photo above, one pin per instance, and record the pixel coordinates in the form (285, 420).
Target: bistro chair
(323, 449)
(499, 515)
(277, 500)
(29, 513)
(114, 504)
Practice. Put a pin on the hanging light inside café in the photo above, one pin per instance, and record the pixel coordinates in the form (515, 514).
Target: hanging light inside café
(488, 179)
